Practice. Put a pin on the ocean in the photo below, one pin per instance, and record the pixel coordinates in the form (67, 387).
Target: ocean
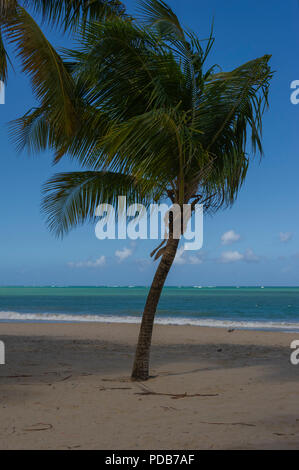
(262, 308)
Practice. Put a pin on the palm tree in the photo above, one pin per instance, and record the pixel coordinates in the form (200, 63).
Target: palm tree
(153, 123)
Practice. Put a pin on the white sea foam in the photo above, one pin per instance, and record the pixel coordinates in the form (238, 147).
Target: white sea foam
(50, 317)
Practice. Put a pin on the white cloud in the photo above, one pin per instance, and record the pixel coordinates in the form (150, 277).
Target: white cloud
(234, 256)
(285, 236)
(230, 237)
(286, 269)
(143, 264)
(123, 254)
(251, 257)
(89, 264)
(180, 259)
(231, 257)
(195, 259)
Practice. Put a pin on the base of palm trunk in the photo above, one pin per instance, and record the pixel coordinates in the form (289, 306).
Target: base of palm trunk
(140, 371)
(139, 377)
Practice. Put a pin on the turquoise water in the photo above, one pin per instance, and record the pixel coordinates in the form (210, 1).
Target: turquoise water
(244, 307)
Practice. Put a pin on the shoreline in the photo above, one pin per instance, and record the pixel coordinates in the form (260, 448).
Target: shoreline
(263, 325)
(75, 378)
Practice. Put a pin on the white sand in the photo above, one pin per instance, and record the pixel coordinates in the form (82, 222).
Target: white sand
(66, 386)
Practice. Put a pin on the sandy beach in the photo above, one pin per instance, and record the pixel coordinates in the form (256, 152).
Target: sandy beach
(67, 386)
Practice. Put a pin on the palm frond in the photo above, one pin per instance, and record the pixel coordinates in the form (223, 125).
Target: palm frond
(72, 198)
(7, 8)
(71, 13)
(4, 59)
(242, 96)
(32, 132)
(51, 82)
(157, 14)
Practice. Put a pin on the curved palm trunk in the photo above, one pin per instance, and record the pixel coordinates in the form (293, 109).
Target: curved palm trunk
(141, 362)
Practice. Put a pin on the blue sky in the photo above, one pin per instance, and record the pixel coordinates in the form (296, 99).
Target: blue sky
(254, 243)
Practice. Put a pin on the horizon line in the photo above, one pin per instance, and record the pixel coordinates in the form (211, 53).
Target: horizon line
(146, 286)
